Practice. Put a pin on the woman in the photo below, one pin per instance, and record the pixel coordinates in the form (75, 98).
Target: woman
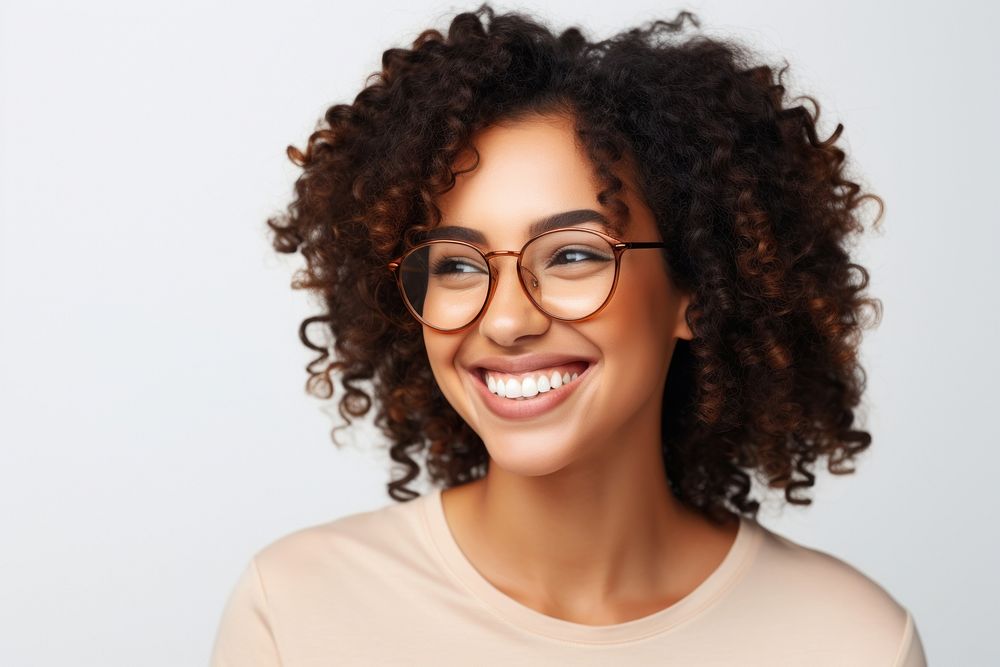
(597, 285)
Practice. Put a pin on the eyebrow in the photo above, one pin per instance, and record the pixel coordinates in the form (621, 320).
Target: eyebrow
(548, 223)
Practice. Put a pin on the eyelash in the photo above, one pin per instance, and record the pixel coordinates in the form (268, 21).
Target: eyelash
(439, 267)
(439, 264)
(560, 251)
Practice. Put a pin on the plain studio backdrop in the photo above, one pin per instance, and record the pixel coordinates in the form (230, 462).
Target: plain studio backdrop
(154, 423)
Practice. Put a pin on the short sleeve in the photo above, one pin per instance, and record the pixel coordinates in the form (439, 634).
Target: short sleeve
(911, 649)
(245, 635)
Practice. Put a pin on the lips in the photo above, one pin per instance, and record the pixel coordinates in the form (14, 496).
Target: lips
(528, 362)
(540, 402)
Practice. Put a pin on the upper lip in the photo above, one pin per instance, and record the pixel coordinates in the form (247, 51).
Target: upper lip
(527, 362)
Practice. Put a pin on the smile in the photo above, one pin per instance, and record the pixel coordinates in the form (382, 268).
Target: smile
(524, 386)
(529, 394)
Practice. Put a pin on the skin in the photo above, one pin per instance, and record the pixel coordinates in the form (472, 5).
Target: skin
(575, 518)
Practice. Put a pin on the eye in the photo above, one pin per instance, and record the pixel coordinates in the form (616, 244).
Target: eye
(565, 256)
(452, 265)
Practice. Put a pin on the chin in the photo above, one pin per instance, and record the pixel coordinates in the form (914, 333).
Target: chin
(528, 456)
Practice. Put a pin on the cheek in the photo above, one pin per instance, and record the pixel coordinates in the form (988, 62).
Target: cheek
(442, 350)
(636, 326)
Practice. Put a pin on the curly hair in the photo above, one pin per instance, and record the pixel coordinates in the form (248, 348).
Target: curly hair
(756, 211)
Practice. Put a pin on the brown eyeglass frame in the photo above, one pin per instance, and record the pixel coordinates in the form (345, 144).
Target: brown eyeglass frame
(618, 247)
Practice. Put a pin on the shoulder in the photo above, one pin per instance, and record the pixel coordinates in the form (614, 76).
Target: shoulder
(806, 572)
(337, 574)
(818, 597)
(383, 539)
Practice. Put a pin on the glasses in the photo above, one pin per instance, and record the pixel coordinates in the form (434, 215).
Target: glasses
(569, 274)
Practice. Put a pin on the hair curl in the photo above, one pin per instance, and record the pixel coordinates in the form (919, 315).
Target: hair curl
(756, 212)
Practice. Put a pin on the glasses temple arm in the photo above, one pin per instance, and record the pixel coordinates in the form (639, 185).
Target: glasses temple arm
(644, 244)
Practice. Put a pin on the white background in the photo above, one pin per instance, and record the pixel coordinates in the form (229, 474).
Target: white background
(154, 426)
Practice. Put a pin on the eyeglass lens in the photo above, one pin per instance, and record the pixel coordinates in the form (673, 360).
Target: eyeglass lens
(568, 274)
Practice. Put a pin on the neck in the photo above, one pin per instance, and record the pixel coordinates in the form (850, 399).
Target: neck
(592, 539)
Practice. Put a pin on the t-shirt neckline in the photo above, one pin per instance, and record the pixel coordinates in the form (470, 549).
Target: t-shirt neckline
(721, 580)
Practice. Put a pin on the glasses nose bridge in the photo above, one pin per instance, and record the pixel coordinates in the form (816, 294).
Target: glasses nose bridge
(495, 274)
(490, 256)
(502, 253)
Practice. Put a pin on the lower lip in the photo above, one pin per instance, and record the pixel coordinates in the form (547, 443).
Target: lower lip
(528, 407)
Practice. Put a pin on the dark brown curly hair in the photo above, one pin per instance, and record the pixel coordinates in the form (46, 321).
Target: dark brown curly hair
(756, 211)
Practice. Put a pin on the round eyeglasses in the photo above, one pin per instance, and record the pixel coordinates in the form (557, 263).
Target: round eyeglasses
(569, 274)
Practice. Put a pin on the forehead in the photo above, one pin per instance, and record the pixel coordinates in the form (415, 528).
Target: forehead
(577, 218)
(532, 175)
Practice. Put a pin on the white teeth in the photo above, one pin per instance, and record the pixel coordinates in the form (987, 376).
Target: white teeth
(513, 388)
(528, 386)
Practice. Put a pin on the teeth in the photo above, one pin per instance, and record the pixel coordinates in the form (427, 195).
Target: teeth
(528, 386)
(513, 388)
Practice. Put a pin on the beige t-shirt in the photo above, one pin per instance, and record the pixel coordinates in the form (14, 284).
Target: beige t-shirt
(392, 587)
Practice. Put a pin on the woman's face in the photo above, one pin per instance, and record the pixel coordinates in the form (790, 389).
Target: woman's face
(530, 170)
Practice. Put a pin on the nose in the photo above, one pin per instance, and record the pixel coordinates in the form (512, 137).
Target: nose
(510, 315)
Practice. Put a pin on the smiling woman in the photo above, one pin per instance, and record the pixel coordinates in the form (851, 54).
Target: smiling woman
(598, 285)
(620, 320)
